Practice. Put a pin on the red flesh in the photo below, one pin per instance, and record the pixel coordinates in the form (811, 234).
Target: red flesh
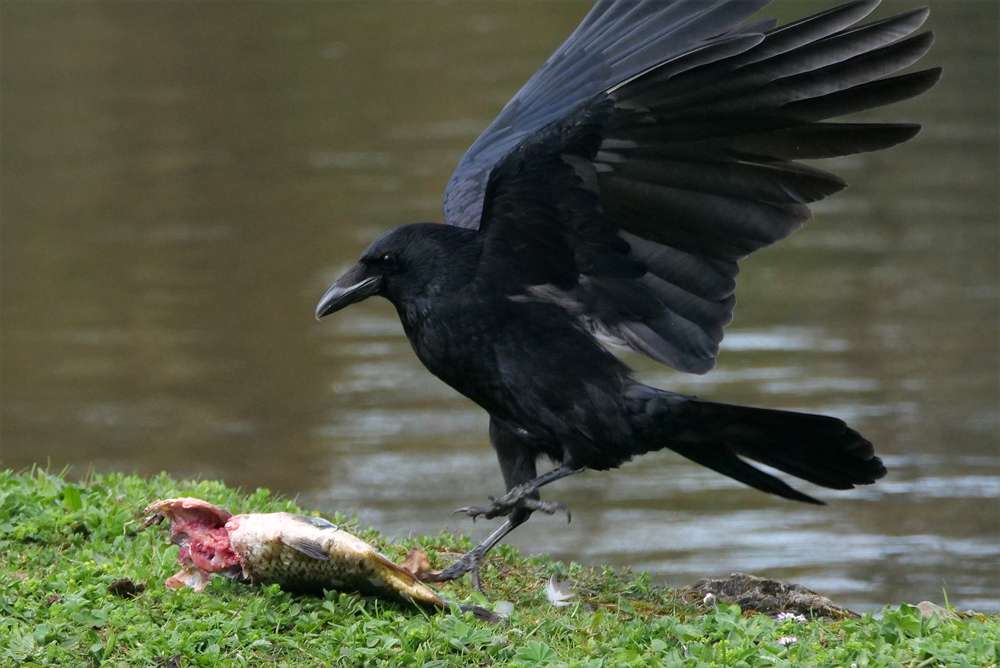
(203, 545)
(199, 528)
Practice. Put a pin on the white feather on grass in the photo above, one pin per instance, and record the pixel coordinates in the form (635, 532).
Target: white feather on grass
(559, 591)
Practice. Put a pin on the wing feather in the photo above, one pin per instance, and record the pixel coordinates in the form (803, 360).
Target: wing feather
(599, 54)
(657, 147)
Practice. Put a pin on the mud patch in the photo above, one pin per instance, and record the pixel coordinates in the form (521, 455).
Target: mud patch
(770, 597)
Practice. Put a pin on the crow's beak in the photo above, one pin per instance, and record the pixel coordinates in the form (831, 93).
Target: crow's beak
(350, 288)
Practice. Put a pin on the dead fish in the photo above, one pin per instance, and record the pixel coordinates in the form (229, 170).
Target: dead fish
(302, 554)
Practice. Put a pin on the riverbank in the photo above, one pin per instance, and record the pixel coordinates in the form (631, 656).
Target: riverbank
(83, 585)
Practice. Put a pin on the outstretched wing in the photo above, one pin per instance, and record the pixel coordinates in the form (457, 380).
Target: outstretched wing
(617, 40)
(630, 206)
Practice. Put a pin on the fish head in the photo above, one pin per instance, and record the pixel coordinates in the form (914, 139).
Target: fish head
(198, 527)
(185, 510)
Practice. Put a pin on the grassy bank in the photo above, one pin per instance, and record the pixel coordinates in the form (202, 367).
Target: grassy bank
(66, 542)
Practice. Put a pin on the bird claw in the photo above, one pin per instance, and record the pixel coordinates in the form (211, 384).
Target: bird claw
(508, 504)
(469, 510)
(475, 511)
(547, 507)
(469, 563)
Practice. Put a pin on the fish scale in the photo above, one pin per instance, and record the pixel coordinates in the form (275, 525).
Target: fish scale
(308, 554)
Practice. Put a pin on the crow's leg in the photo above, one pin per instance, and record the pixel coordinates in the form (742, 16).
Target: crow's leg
(516, 455)
(517, 463)
(523, 496)
(472, 559)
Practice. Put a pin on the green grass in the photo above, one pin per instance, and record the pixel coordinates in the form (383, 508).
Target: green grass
(65, 542)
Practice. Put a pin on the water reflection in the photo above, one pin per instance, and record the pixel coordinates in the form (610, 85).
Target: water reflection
(177, 193)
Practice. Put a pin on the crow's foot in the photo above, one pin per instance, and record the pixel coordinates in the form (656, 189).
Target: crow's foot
(467, 564)
(523, 497)
(509, 503)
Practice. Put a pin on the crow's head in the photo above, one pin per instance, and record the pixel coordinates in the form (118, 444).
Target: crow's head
(403, 265)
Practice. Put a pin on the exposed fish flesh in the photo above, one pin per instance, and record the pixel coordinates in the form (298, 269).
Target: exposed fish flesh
(300, 553)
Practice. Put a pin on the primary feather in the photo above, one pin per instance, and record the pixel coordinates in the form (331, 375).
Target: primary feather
(657, 147)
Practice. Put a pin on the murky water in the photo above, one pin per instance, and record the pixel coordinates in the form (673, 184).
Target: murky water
(182, 180)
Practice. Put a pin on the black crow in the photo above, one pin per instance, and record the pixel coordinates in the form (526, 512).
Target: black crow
(609, 203)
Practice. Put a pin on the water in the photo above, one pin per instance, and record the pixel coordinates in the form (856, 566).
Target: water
(181, 181)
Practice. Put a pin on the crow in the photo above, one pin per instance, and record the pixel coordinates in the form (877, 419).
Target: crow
(608, 206)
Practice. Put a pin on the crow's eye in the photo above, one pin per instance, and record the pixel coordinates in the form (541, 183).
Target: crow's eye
(387, 261)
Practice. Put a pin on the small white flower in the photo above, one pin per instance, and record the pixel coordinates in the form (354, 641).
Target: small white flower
(709, 600)
(790, 617)
(787, 640)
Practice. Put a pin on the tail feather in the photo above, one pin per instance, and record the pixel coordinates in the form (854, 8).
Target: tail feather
(725, 462)
(816, 448)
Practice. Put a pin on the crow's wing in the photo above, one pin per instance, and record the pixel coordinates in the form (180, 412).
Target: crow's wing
(630, 204)
(616, 40)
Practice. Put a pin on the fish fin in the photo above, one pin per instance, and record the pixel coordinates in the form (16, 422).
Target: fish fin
(310, 548)
(191, 576)
(386, 561)
(317, 522)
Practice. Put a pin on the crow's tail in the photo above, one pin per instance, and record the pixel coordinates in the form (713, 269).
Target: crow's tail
(817, 448)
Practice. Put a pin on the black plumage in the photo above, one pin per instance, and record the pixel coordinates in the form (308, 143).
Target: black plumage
(609, 203)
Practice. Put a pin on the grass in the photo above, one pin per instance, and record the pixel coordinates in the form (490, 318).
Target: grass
(66, 542)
